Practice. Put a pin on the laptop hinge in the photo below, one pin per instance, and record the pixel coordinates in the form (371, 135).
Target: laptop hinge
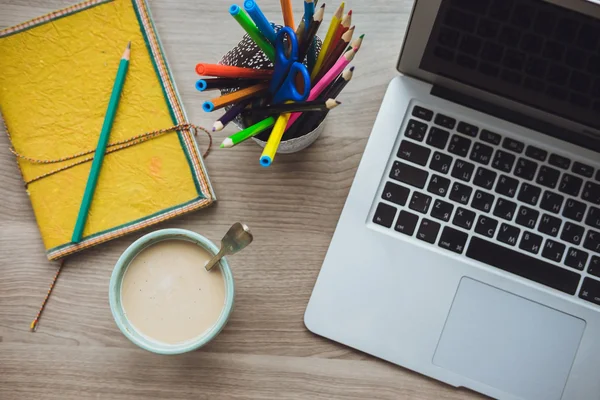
(579, 139)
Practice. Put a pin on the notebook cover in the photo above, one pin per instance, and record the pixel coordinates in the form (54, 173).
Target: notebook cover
(56, 76)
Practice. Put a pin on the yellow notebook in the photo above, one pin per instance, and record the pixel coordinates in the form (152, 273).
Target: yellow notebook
(56, 76)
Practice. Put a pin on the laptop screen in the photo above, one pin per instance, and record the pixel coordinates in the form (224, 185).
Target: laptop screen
(530, 51)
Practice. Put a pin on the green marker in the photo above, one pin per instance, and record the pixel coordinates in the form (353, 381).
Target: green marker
(247, 133)
(244, 20)
(111, 111)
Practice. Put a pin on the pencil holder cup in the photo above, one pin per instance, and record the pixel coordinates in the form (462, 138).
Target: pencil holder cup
(248, 55)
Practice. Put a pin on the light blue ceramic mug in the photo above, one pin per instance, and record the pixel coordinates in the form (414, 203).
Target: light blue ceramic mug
(117, 279)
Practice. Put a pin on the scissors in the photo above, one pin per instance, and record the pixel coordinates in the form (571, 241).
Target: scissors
(289, 74)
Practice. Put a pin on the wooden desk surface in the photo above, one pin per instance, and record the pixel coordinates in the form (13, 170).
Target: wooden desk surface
(265, 351)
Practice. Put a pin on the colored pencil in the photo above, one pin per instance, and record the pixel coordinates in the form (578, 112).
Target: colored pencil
(342, 28)
(230, 98)
(262, 23)
(312, 31)
(268, 154)
(109, 117)
(326, 80)
(246, 23)
(336, 87)
(288, 14)
(300, 31)
(309, 11)
(356, 42)
(306, 106)
(335, 21)
(230, 115)
(224, 83)
(227, 71)
(335, 53)
(247, 133)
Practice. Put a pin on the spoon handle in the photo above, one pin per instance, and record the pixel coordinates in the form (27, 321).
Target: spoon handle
(216, 258)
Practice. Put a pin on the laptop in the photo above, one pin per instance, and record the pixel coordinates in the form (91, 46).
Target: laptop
(468, 249)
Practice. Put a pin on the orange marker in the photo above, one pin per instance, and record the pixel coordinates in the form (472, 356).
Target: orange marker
(234, 97)
(288, 15)
(225, 71)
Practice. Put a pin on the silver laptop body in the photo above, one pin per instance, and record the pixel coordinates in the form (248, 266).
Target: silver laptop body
(468, 249)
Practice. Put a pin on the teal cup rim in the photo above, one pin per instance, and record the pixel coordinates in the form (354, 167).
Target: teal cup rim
(116, 279)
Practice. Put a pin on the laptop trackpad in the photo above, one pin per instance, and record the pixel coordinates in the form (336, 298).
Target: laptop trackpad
(507, 342)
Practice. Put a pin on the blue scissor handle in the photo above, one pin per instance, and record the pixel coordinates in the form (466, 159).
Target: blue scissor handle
(283, 59)
(289, 90)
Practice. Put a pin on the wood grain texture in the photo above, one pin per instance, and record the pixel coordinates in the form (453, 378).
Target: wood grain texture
(265, 351)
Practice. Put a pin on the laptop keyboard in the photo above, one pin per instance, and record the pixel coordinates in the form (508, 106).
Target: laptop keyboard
(494, 199)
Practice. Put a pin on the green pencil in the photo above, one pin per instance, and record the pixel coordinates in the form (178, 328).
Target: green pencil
(244, 20)
(90, 186)
(247, 133)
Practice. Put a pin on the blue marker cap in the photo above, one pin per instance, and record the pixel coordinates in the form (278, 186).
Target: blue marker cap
(249, 5)
(265, 161)
(208, 106)
(234, 9)
(201, 85)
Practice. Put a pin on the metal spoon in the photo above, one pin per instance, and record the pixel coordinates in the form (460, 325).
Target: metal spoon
(236, 238)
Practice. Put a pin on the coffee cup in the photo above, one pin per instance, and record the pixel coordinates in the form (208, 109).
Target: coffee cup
(163, 299)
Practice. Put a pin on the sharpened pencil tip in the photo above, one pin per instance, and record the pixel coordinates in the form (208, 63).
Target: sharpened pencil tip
(213, 129)
(352, 68)
(350, 12)
(338, 102)
(362, 36)
(129, 45)
(222, 146)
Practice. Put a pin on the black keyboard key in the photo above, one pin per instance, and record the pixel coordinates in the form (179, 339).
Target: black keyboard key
(513, 145)
(503, 161)
(583, 169)
(526, 169)
(485, 178)
(530, 242)
(428, 231)
(550, 225)
(486, 226)
(570, 185)
(552, 202)
(482, 201)
(409, 174)
(507, 186)
(505, 209)
(440, 162)
(592, 241)
(464, 218)
(508, 234)
(467, 129)
(453, 240)
(594, 268)
(422, 113)
(438, 185)
(395, 193)
(559, 161)
(442, 210)
(420, 202)
(553, 251)
(481, 153)
(407, 223)
(527, 217)
(445, 121)
(523, 265)
(529, 194)
(591, 193)
(572, 233)
(384, 215)
(490, 137)
(416, 130)
(593, 218)
(536, 153)
(413, 152)
(438, 137)
(590, 291)
(574, 210)
(548, 177)
(459, 145)
(463, 170)
(576, 259)
(461, 193)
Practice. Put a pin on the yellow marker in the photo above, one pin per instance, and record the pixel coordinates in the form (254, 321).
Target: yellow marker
(335, 22)
(270, 149)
